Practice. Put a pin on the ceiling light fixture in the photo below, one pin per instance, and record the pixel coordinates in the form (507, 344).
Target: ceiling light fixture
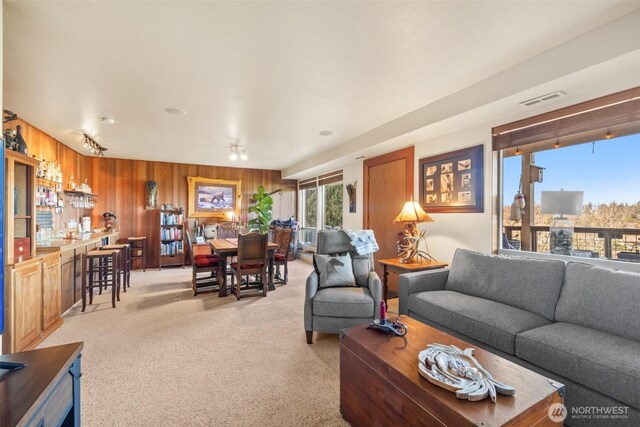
(238, 151)
(325, 133)
(108, 120)
(91, 145)
(175, 111)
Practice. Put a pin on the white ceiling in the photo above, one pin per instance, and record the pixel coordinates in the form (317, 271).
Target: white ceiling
(271, 74)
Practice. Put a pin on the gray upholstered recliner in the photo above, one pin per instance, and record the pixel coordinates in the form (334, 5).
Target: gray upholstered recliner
(331, 309)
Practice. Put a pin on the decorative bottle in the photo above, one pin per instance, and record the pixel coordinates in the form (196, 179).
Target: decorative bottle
(22, 144)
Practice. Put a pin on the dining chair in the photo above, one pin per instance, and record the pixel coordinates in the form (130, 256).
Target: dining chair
(282, 237)
(204, 263)
(252, 260)
(227, 231)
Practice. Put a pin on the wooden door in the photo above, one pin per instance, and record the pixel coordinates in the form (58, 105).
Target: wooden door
(388, 184)
(51, 293)
(27, 298)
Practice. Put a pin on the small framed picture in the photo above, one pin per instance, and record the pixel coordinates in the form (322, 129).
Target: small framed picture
(453, 182)
(429, 185)
(465, 180)
(464, 165)
(464, 196)
(199, 239)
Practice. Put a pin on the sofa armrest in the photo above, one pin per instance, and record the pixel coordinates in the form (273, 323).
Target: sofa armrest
(310, 292)
(375, 289)
(421, 281)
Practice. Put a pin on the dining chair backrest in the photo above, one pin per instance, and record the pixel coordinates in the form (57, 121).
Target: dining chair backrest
(277, 236)
(189, 242)
(227, 231)
(285, 241)
(252, 249)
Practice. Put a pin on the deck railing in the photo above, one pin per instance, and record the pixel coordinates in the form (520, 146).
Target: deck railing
(610, 243)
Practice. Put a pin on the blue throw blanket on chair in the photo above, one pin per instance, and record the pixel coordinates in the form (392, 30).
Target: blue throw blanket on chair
(363, 241)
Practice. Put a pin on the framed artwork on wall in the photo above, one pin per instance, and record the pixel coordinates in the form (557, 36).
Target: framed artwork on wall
(453, 182)
(211, 198)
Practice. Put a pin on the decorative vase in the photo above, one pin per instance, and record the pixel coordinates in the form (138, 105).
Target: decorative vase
(21, 143)
(152, 194)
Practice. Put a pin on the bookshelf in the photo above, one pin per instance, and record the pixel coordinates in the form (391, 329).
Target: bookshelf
(171, 238)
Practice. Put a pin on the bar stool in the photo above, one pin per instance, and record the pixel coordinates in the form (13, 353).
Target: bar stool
(139, 250)
(101, 268)
(125, 262)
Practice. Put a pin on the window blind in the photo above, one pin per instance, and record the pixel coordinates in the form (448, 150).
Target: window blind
(324, 179)
(609, 116)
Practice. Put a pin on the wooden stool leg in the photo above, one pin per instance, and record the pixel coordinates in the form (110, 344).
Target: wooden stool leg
(84, 281)
(114, 281)
(286, 272)
(122, 279)
(129, 266)
(91, 281)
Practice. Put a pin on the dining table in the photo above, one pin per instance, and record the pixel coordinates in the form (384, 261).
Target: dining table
(228, 248)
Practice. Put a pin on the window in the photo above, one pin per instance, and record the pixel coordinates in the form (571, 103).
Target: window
(594, 167)
(333, 205)
(321, 205)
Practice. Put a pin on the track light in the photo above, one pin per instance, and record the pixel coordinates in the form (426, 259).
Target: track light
(91, 145)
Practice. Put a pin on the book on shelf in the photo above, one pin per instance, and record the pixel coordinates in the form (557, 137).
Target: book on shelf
(171, 218)
(171, 248)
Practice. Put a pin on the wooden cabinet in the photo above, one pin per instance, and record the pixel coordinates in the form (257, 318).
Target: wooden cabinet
(34, 302)
(20, 204)
(25, 287)
(67, 280)
(51, 293)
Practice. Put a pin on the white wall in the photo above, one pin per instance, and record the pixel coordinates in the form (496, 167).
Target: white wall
(458, 230)
(351, 173)
(450, 230)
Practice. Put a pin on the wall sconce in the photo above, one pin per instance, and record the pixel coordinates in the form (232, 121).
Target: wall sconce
(91, 145)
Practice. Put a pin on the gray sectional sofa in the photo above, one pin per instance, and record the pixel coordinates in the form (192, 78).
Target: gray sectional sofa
(573, 322)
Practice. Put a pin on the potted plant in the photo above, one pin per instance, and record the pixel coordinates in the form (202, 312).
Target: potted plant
(262, 204)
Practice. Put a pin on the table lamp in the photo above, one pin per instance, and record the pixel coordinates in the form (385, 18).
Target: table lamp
(559, 204)
(411, 214)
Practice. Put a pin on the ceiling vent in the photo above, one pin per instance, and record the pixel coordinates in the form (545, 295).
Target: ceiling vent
(543, 98)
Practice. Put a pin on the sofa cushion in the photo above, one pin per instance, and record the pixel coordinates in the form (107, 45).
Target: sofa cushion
(487, 321)
(334, 271)
(598, 360)
(602, 299)
(530, 284)
(361, 269)
(343, 302)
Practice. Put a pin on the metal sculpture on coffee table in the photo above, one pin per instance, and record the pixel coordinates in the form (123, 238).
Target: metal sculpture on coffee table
(458, 371)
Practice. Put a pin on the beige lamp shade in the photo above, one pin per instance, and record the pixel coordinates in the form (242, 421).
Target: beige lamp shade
(413, 212)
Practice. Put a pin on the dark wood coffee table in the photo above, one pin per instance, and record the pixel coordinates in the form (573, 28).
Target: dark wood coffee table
(380, 384)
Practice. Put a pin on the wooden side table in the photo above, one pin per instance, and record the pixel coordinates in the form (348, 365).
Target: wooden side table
(394, 264)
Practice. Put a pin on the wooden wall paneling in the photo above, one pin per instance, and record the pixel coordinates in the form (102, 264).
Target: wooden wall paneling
(120, 185)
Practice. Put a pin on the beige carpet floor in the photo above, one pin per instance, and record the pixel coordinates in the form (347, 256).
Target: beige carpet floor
(165, 358)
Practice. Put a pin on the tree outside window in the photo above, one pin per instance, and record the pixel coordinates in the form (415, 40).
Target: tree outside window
(333, 203)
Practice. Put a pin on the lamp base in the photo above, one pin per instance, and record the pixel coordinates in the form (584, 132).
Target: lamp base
(408, 250)
(561, 236)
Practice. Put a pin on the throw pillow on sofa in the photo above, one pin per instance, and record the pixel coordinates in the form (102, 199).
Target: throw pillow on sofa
(334, 271)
